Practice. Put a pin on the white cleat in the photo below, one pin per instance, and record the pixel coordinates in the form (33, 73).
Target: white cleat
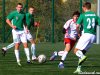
(54, 55)
(82, 60)
(19, 64)
(78, 70)
(34, 58)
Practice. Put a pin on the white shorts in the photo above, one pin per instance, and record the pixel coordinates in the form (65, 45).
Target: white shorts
(85, 41)
(19, 36)
(29, 36)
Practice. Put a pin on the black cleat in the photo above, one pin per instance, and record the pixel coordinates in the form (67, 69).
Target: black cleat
(29, 62)
(3, 51)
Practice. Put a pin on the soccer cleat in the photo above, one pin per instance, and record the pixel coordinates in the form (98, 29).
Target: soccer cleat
(61, 66)
(29, 62)
(19, 64)
(54, 55)
(82, 60)
(3, 51)
(77, 71)
(34, 58)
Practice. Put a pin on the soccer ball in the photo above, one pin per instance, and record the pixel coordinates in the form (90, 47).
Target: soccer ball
(41, 58)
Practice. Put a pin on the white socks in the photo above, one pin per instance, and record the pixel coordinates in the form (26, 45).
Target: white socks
(63, 57)
(79, 54)
(10, 46)
(27, 53)
(60, 53)
(33, 49)
(17, 55)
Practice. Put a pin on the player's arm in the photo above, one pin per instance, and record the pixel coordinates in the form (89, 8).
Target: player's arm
(65, 27)
(79, 23)
(25, 25)
(64, 30)
(78, 29)
(24, 21)
(8, 20)
(37, 24)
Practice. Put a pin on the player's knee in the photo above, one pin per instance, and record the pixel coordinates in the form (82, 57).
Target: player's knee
(25, 45)
(75, 50)
(32, 41)
(17, 46)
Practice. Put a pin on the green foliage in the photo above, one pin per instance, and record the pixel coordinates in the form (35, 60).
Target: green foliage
(62, 12)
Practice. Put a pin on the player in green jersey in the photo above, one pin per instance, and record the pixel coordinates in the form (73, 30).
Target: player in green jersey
(16, 20)
(90, 21)
(30, 22)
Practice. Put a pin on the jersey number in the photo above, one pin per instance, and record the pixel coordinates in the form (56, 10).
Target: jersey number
(91, 23)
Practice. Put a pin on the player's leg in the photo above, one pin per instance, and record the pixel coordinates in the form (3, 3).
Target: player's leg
(68, 46)
(78, 69)
(82, 46)
(55, 54)
(17, 53)
(26, 49)
(16, 40)
(30, 38)
(4, 49)
(33, 49)
(61, 53)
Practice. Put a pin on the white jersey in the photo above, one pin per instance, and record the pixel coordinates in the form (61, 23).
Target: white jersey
(70, 27)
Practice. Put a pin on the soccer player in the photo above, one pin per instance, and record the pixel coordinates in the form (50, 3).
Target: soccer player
(90, 21)
(16, 20)
(30, 22)
(70, 38)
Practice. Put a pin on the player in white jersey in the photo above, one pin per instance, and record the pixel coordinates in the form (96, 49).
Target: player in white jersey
(70, 38)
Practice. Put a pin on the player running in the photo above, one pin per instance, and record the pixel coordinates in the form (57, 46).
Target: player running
(30, 22)
(90, 21)
(18, 20)
(70, 38)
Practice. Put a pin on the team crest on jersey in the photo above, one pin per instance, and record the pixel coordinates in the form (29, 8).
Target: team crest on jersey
(16, 18)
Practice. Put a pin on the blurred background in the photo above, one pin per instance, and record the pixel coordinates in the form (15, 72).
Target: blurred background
(52, 15)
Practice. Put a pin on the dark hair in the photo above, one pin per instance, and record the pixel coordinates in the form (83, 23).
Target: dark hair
(76, 13)
(20, 4)
(87, 5)
(31, 7)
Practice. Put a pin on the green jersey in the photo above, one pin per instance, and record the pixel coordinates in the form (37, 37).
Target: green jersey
(18, 19)
(29, 20)
(89, 20)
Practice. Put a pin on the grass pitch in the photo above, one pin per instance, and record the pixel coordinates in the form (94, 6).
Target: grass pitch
(8, 65)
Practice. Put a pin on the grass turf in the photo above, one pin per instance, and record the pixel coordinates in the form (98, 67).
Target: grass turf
(8, 65)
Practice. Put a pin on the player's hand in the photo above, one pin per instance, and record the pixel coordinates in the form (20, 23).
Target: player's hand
(79, 35)
(14, 27)
(26, 31)
(36, 24)
(74, 39)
